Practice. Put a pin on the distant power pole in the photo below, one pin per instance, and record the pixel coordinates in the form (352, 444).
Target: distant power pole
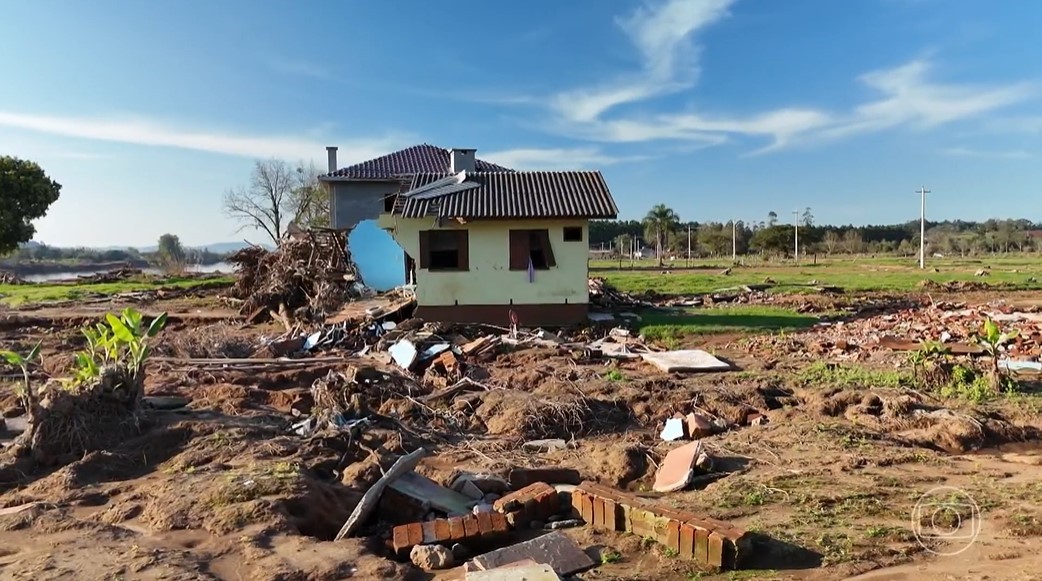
(796, 233)
(922, 226)
(734, 241)
(689, 245)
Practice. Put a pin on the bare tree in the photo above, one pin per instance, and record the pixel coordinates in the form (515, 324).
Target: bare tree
(267, 203)
(832, 241)
(309, 199)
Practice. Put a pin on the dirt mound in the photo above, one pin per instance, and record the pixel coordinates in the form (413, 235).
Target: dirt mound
(529, 417)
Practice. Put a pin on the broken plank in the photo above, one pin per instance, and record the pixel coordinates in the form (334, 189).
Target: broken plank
(402, 466)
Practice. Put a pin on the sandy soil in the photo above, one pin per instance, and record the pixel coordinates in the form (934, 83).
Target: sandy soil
(222, 489)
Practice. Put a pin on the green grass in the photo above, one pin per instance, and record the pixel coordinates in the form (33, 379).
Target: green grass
(15, 295)
(671, 325)
(852, 274)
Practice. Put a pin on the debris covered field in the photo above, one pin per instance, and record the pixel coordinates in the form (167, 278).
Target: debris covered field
(297, 425)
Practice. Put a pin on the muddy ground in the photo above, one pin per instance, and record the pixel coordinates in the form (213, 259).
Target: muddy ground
(222, 489)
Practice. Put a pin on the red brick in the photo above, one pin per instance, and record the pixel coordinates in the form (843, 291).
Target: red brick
(577, 502)
(672, 536)
(499, 523)
(429, 534)
(456, 530)
(484, 523)
(716, 550)
(686, 545)
(702, 545)
(470, 525)
(442, 530)
(588, 508)
(611, 515)
(400, 539)
(598, 512)
(415, 533)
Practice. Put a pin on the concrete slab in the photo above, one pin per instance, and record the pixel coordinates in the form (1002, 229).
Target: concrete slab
(555, 549)
(438, 497)
(526, 572)
(685, 360)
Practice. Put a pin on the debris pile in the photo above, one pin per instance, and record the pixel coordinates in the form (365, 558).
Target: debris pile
(953, 326)
(306, 278)
(605, 295)
(10, 278)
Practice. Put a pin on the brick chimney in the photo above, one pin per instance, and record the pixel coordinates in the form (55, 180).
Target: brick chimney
(331, 155)
(461, 160)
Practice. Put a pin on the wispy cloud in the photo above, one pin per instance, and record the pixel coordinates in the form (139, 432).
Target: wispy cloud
(663, 33)
(969, 152)
(300, 68)
(550, 159)
(1029, 125)
(149, 132)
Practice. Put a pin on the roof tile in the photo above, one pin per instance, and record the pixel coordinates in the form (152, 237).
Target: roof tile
(408, 161)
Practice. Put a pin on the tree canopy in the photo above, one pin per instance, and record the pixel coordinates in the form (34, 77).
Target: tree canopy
(26, 193)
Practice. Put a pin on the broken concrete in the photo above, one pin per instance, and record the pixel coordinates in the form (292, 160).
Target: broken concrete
(685, 360)
(424, 492)
(554, 549)
(431, 557)
(527, 571)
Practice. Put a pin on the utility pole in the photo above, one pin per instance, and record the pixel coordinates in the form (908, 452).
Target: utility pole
(734, 241)
(796, 233)
(922, 226)
(689, 246)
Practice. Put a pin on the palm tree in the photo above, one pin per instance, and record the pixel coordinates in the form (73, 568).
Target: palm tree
(659, 221)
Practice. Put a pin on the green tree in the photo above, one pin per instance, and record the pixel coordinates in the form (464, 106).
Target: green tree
(772, 219)
(659, 222)
(807, 218)
(25, 195)
(170, 251)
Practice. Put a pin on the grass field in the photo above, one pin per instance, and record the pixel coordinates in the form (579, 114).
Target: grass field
(668, 326)
(14, 295)
(1021, 272)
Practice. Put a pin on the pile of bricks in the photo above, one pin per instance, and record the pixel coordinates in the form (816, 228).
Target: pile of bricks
(709, 541)
(484, 526)
(536, 502)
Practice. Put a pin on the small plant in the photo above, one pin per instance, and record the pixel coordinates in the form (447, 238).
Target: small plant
(608, 557)
(615, 375)
(23, 362)
(118, 342)
(992, 340)
(671, 553)
(968, 384)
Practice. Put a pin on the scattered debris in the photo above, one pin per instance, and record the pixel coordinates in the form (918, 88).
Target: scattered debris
(368, 503)
(432, 557)
(680, 466)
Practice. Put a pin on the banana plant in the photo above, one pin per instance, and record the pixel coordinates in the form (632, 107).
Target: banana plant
(119, 339)
(992, 340)
(23, 363)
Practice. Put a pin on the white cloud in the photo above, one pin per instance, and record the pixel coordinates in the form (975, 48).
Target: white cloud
(911, 98)
(969, 152)
(142, 131)
(550, 159)
(662, 32)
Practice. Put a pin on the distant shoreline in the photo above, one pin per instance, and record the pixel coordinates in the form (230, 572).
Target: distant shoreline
(31, 268)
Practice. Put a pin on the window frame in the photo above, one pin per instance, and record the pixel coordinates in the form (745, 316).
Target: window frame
(460, 238)
(520, 248)
(574, 230)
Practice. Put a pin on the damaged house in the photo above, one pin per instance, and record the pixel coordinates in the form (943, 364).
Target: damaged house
(482, 243)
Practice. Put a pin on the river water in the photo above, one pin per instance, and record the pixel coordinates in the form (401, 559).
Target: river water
(199, 268)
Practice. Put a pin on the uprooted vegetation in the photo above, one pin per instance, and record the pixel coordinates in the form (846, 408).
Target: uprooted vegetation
(100, 402)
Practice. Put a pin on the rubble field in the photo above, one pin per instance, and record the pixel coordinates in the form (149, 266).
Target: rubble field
(280, 438)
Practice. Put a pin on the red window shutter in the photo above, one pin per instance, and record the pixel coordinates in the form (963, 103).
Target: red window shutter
(425, 248)
(463, 248)
(519, 250)
(544, 241)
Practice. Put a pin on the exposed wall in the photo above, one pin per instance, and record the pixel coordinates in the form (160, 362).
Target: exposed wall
(489, 280)
(355, 201)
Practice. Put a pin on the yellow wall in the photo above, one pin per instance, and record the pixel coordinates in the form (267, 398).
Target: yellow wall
(490, 280)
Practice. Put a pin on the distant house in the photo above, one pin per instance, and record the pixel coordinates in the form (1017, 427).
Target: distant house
(481, 241)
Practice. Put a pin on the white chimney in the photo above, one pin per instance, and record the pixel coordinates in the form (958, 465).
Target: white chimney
(331, 155)
(461, 160)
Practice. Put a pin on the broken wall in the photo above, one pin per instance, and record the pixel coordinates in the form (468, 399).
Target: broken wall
(489, 280)
(355, 206)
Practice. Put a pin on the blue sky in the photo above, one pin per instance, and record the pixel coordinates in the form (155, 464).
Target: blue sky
(147, 112)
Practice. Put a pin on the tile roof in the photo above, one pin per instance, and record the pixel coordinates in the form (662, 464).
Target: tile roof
(512, 194)
(411, 160)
